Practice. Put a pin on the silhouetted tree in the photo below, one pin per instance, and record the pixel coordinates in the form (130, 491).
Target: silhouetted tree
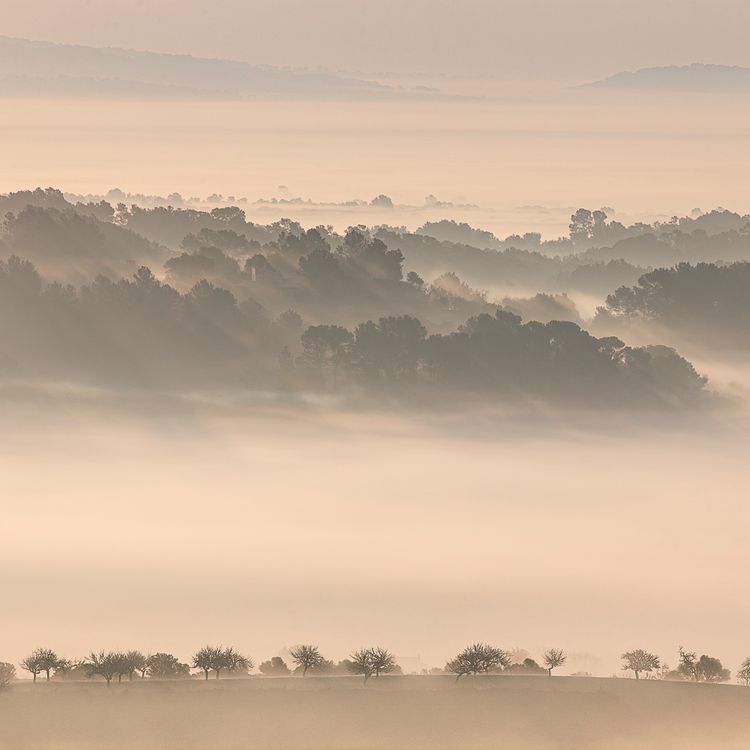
(306, 657)
(45, 659)
(135, 661)
(553, 658)
(638, 661)
(32, 664)
(687, 664)
(236, 662)
(477, 659)
(360, 662)
(383, 661)
(105, 665)
(208, 658)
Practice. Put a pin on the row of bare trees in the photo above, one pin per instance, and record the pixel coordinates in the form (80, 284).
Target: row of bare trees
(689, 667)
(481, 658)
(478, 658)
(116, 665)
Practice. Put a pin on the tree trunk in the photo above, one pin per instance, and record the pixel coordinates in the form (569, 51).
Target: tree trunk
(549, 671)
(34, 677)
(48, 675)
(636, 674)
(206, 671)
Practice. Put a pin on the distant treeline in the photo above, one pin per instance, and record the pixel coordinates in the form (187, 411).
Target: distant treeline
(180, 297)
(143, 332)
(597, 256)
(478, 658)
(707, 302)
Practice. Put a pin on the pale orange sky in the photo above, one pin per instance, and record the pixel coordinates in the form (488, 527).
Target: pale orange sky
(576, 39)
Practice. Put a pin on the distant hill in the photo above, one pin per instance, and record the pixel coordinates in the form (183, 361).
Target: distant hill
(43, 68)
(696, 77)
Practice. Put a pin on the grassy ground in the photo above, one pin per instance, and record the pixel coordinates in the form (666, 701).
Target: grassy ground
(513, 713)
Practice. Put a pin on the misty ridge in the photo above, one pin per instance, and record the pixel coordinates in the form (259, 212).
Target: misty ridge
(38, 68)
(284, 309)
(698, 77)
(29, 61)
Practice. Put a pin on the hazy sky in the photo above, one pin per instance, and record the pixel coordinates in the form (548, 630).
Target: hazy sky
(516, 38)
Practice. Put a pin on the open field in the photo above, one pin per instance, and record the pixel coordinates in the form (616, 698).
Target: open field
(565, 713)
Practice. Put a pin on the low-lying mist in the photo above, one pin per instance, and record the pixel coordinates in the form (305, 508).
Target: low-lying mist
(141, 526)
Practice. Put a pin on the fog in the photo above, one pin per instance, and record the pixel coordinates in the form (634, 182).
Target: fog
(523, 162)
(267, 526)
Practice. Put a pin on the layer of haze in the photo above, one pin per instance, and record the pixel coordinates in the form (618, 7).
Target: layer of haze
(166, 532)
(527, 163)
(572, 39)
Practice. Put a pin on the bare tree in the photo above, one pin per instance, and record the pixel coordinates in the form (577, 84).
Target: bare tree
(235, 661)
(638, 661)
(360, 662)
(476, 659)
(688, 663)
(135, 661)
(553, 658)
(458, 666)
(47, 659)
(306, 657)
(7, 674)
(383, 661)
(32, 663)
(208, 658)
(105, 665)
(121, 664)
(744, 673)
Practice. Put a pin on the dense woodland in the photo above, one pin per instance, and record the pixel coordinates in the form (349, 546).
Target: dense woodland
(180, 298)
(707, 302)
